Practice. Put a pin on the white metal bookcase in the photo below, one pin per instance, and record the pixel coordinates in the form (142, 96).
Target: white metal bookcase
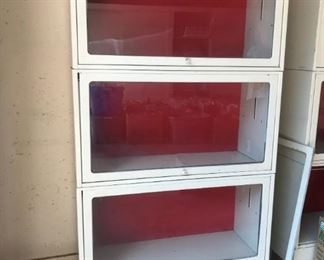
(303, 77)
(114, 68)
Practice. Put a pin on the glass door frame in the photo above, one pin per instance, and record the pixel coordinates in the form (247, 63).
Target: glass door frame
(82, 59)
(86, 196)
(319, 52)
(83, 148)
(318, 159)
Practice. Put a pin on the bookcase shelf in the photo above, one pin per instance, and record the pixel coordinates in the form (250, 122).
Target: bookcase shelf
(158, 220)
(235, 33)
(147, 125)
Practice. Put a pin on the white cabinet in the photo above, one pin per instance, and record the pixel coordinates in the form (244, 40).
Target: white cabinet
(313, 210)
(299, 188)
(140, 125)
(298, 202)
(302, 117)
(305, 35)
(232, 34)
(216, 218)
(176, 108)
(320, 43)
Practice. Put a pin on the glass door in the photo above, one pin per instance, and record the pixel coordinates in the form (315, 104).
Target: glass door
(155, 125)
(180, 33)
(292, 176)
(179, 220)
(317, 130)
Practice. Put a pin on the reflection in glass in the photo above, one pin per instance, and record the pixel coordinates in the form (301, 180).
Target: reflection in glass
(177, 225)
(191, 28)
(164, 125)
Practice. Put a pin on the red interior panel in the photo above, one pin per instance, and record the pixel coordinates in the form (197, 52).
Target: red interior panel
(315, 192)
(129, 218)
(195, 28)
(131, 119)
(320, 125)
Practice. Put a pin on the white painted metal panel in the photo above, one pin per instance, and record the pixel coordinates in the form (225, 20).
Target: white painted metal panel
(80, 223)
(298, 94)
(77, 129)
(247, 216)
(320, 39)
(305, 35)
(214, 246)
(302, 34)
(293, 171)
(305, 252)
(253, 101)
(74, 36)
(300, 108)
(259, 18)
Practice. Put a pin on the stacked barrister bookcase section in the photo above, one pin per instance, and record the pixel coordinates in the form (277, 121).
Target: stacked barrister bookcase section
(176, 126)
(299, 186)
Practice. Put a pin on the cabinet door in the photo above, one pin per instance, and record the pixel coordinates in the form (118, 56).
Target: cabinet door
(320, 39)
(230, 33)
(317, 127)
(143, 125)
(189, 219)
(293, 171)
